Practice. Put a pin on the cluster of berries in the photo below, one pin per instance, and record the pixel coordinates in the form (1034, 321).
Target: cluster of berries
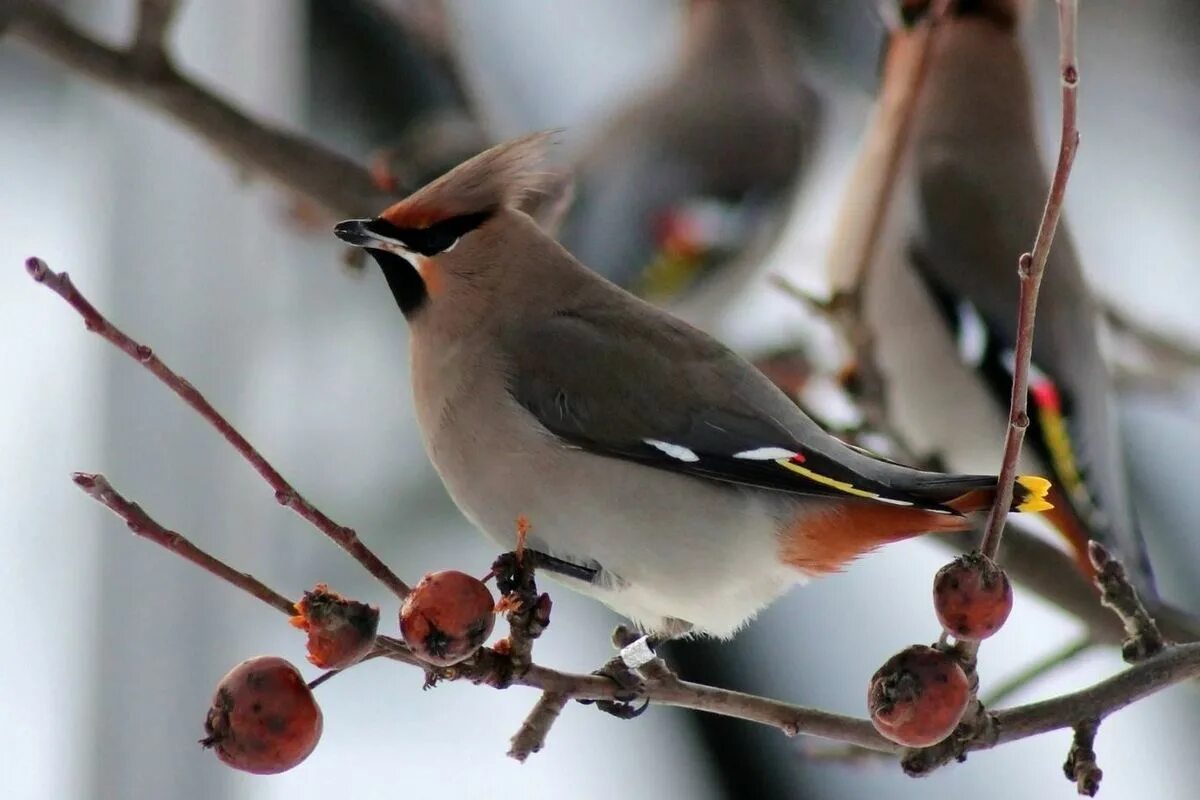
(918, 697)
(264, 718)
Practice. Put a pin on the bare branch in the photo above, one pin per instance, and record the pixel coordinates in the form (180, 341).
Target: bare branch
(1143, 638)
(1081, 768)
(154, 20)
(285, 493)
(293, 162)
(531, 736)
(1039, 669)
(140, 523)
(495, 669)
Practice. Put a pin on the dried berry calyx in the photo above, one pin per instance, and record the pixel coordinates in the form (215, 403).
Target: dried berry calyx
(340, 631)
(918, 696)
(972, 597)
(264, 718)
(447, 617)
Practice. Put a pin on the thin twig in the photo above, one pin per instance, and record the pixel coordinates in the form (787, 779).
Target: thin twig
(1030, 268)
(294, 162)
(531, 736)
(154, 20)
(1080, 767)
(1143, 638)
(141, 524)
(1039, 669)
(285, 493)
(1170, 347)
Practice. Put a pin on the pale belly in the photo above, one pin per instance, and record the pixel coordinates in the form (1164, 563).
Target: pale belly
(668, 546)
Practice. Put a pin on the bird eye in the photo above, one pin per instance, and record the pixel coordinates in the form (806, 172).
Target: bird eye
(441, 237)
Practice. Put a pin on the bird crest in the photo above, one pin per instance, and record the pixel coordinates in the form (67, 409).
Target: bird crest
(504, 175)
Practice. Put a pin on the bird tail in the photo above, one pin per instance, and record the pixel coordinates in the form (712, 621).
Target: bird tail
(1029, 496)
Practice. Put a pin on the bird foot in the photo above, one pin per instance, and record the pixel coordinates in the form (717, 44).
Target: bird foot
(630, 687)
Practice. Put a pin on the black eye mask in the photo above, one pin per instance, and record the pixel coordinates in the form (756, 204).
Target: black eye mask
(437, 238)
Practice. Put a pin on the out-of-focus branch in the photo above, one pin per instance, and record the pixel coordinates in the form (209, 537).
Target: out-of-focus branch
(1170, 348)
(294, 162)
(154, 20)
(872, 183)
(1038, 670)
(285, 493)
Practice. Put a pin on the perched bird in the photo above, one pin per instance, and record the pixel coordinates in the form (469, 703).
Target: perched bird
(685, 174)
(676, 483)
(943, 297)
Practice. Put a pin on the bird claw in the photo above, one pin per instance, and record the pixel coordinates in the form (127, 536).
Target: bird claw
(631, 687)
(621, 709)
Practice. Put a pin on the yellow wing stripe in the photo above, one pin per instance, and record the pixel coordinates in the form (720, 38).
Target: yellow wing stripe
(1037, 487)
(841, 486)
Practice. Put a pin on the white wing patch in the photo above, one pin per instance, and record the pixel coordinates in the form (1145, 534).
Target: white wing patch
(765, 454)
(676, 451)
(972, 335)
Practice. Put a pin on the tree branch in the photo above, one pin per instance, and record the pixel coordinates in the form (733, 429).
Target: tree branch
(154, 20)
(489, 667)
(285, 493)
(1143, 638)
(141, 524)
(531, 736)
(864, 206)
(293, 162)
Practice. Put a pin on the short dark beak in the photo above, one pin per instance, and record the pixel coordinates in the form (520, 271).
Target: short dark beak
(355, 232)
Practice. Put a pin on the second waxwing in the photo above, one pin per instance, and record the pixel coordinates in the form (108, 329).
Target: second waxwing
(680, 178)
(942, 298)
(668, 477)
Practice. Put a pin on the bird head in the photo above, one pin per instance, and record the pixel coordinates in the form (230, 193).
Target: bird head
(444, 238)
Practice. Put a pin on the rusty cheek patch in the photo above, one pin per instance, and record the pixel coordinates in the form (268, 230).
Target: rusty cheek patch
(431, 274)
(824, 540)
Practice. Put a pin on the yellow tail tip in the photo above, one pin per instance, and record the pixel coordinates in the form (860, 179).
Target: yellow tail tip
(1036, 488)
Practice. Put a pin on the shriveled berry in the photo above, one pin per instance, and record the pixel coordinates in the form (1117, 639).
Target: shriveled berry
(918, 696)
(972, 597)
(264, 718)
(340, 631)
(447, 617)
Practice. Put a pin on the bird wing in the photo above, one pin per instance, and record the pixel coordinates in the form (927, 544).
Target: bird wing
(649, 389)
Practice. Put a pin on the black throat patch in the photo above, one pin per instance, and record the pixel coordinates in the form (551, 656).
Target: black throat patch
(403, 279)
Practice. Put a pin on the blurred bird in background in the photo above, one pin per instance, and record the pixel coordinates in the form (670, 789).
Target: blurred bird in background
(941, 298)
(696, 166)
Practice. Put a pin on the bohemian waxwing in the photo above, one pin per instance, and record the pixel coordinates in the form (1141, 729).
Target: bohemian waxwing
(942, 298)
(685, 174)
(672, 479)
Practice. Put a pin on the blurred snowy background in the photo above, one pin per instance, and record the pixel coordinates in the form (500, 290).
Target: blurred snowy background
(111, 647)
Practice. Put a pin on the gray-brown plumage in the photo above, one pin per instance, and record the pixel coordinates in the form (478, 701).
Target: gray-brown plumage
(639, 448)
(729, 130)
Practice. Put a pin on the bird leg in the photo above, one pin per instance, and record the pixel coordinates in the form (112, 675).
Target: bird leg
(637, 663)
